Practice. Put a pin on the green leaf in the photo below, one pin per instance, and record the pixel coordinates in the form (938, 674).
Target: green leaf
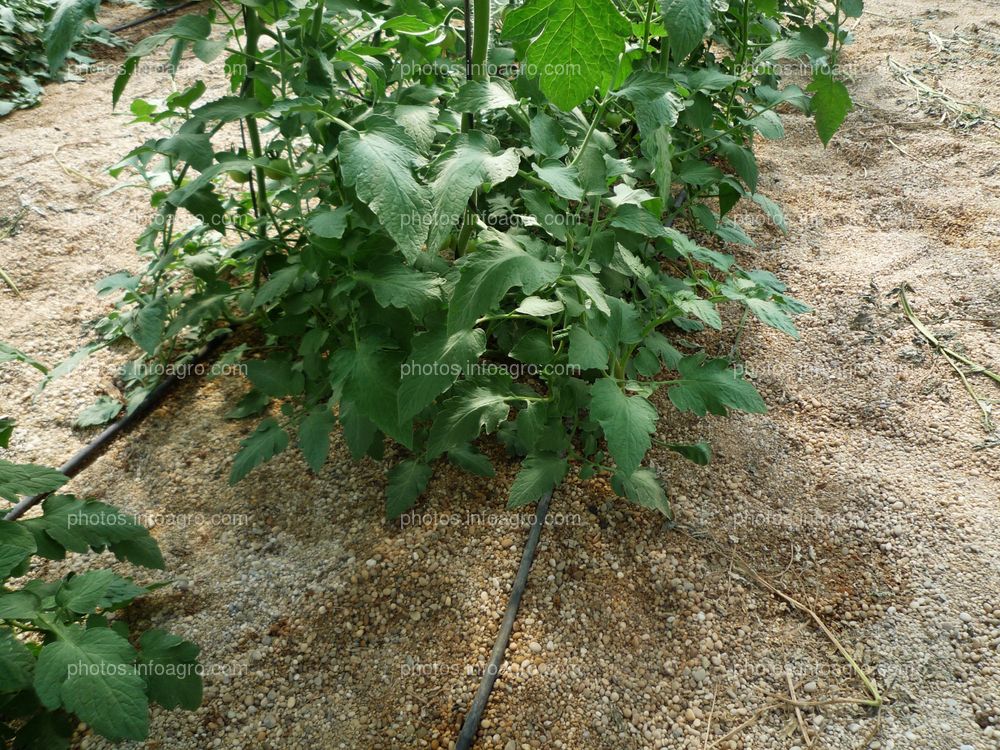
(654, 100)
(573, 44)
(69, 523)
(314, 436)
(65, 28)
(276, 286)
(585, 351)
(19, 605)
(464, 416)
(564, 180)
(359, 431)
(537, 475)
(27, 479)
(9, 354)
(699, 453)
(712, 386)
(437, 361)
(773, 211)
(591, 287)
(643, 488)
(45, 731)
(687, 22)
(465, 163)
(172, 673)
(483, 96)
(379, 164)
(743, 161)
(852, 8)
(193, 148)
(275, 377)
(470, 460)
(100, 412)
(768, 312)
(372, 384)
(547, 137)
(397, 285)
(627, 422)
(16, 545)
(830, 104)
(6, 430)
(267, 441)
(407, 481)
(251, 404)
(91, 673)
(329, 224)
(488, 274)
(86, 592)
(17, 663)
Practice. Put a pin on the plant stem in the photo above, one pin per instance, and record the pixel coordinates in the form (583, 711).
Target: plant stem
(475, 70)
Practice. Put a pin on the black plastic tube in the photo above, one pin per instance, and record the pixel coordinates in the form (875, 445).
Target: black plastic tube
(92, 450)
(471, 725)
(152, 16)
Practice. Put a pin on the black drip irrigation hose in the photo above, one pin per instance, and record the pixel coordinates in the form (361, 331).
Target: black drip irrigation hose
(471, 725)
(92, 450)
(152, 16)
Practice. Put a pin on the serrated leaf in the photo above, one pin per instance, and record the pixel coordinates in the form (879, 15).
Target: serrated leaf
(397, 285)
(540, 308)
(314, 436)
(100, 412)
(84, 525)
(699, 453)
(483, 96)
(773, 211)
(91, 673)
(538, 474)
(27, 479)
(45, 731)
(488, 274)
(830, 104)
(643, 488)
(86, 592)
(687, 22)
(275, 377)
(712, 387)
(464, 416)
(470, 460)
(768, 312)
(573, 44)
(563, 179)
(585, 351)
(465, 163)
(437, 361)
(172, 675)
(379, 163)
(65, 28)
(17, 663)
(267, 441)
(591, 287)
(16, 545)
(407, 481)
(372, 384)
(627, 422)
(329, 224)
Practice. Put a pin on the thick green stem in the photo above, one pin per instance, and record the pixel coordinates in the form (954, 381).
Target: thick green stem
(480, 38)
(476, 71)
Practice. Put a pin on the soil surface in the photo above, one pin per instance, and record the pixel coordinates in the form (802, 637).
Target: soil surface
(870, 492)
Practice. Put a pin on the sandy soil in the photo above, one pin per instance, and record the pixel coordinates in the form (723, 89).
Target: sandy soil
(870, 491)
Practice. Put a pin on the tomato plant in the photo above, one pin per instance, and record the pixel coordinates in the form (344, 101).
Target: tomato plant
(61, 656)
(445, 224)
